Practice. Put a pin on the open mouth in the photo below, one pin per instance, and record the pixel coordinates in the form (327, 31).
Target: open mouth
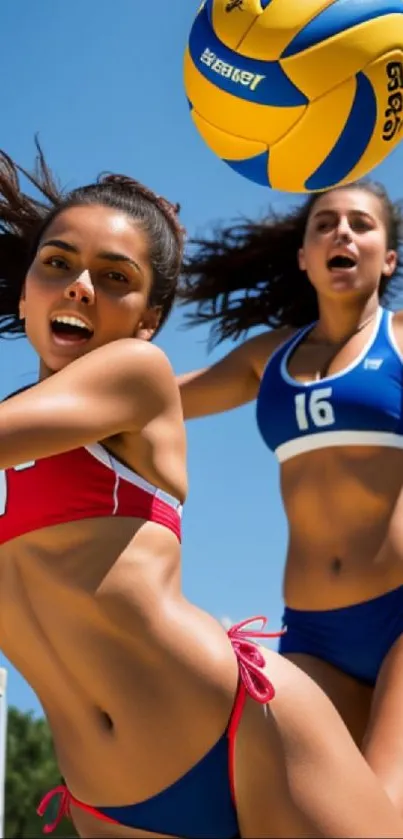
(341, 262)
(70, 329)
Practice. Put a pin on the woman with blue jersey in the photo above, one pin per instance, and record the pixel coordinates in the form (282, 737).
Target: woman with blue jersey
(328, 379)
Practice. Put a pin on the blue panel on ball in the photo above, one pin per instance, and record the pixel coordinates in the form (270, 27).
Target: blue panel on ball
(352, 142)
(254, 168)
(209, 9)
(264, 3)
(261, 82)
(340, 16)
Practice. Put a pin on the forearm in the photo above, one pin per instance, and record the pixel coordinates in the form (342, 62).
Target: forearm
(198, 394)
(214, 390)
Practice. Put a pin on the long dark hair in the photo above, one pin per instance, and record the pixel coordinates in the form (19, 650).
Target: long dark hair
(24, 219)
(247, 274)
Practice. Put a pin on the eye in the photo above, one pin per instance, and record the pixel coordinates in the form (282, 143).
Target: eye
(57, 262)
(323, 226)
(361, 224)
(116, 276)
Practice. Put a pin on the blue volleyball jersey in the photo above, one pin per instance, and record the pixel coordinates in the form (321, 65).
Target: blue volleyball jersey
(360, 405)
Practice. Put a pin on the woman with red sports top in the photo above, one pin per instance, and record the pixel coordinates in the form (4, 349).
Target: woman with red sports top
(159, 717)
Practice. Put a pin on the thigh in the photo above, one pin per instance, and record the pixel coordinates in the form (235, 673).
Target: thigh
(351, 698)
(383, 742)
(298, 771)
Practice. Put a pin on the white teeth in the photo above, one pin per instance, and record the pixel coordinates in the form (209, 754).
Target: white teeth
(70, 321)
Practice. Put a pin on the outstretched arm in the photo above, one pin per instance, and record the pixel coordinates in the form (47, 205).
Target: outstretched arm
(231, 382)
(116, 388)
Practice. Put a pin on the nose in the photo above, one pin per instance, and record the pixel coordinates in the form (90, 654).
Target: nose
(81, 290)
(343, 230)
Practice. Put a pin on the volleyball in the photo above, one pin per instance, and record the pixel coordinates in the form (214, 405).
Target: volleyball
(297, 95)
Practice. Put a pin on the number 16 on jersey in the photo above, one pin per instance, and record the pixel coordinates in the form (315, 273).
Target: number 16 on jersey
(313, 408)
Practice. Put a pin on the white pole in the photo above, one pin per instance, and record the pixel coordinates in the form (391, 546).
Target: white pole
(3, 744)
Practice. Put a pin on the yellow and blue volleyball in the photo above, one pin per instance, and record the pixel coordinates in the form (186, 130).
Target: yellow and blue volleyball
(297, 95)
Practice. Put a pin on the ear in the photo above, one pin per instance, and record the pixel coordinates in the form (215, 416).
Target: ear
(301, 260)
(21, 305)
(149, 323)
(390, 264)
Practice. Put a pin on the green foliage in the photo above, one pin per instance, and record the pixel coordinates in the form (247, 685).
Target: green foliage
(31, 772)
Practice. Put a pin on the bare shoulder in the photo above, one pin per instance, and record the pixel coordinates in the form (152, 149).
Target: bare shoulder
(261, 347)
(132, 355)
(121, 364)
(397, 321)
(397, 330)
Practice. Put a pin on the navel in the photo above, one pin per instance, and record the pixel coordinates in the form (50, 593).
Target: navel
(336, 566)
(105, 720)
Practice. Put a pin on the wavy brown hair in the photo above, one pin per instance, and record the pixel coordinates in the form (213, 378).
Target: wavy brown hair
(246, 274)
(24, 219)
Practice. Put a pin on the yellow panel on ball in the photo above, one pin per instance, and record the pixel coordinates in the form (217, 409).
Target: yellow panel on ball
(299, 95)
(292, 159)
(227, 146)
(234, 115)
(386, 78)
(229, 24)
(277, 26)
(318, 69)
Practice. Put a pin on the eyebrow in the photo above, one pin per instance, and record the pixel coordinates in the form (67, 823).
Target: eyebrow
(112, 256)
(335, 213)
(59, 243)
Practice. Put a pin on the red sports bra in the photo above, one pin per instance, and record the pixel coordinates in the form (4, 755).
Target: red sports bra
(81, 484)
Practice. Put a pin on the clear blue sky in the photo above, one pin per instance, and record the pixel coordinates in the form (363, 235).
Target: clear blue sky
(101, 82)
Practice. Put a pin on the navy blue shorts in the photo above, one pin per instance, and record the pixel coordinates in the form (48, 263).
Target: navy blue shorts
(355, 639)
